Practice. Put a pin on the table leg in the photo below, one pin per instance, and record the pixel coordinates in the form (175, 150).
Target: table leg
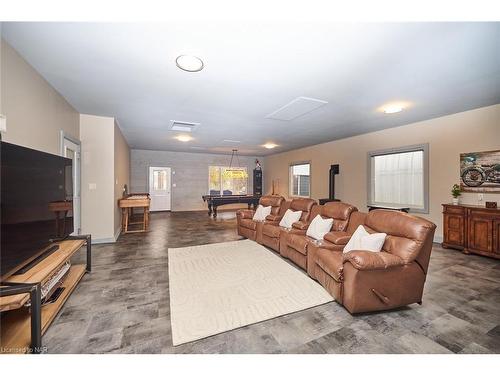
(209, 209)
(144, 219)
(124, 216)
(215, 211)
(126, 220)
(57, 223)
(65, 213)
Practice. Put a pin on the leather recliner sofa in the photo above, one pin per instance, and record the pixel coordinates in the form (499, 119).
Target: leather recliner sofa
(252, 229)
(272, 232)
(365, 281)
(295, 244)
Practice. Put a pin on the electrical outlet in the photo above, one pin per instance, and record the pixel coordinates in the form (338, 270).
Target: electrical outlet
(480, 197)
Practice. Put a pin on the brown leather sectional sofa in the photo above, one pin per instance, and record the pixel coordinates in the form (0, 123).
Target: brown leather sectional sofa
(360, 280)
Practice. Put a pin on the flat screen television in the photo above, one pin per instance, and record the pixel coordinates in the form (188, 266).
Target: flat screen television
(36, 189)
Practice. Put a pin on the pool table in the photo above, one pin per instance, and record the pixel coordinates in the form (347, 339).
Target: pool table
(215, 201)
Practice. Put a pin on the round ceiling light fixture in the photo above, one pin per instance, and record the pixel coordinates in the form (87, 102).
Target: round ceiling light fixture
(184, 138)
(189, 63)
(270, 145)
(393, 109)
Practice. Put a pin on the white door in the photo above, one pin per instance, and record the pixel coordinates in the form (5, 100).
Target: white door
(71, 150)
(159, 188)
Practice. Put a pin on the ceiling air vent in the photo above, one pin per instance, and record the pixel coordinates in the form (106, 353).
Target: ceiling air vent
(297, 107)
(183, 126)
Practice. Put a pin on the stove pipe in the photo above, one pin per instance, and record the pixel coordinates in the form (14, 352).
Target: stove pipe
(334, 169)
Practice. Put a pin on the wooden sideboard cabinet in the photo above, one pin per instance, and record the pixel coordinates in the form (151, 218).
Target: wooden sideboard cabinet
(473, 229)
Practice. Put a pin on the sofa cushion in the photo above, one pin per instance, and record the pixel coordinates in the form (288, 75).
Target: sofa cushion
(261, 213)
(289, 218)
(248, 223)
(339, 212)
(275, 201)
(362, 240)
(319, 227)
(298, 242)
(337, 238)
(330, 262)
(271, 230)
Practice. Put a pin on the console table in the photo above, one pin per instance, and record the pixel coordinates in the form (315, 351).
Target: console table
(472, 229)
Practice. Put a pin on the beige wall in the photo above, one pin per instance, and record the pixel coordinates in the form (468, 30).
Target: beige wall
(122, 172)
(36, 112)
(448, 136)
(98, 203)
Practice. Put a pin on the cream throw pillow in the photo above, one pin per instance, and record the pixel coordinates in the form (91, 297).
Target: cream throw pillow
(362, 240)
(261, 212)
(319, 227)
(289, 218)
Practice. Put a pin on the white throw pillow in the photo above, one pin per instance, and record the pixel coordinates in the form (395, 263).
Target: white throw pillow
(362, 240)
(261, 213)
(289, 218)
(319, 227)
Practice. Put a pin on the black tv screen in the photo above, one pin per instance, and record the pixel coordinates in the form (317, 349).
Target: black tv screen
(36, 188)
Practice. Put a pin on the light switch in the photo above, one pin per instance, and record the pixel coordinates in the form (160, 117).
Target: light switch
(174, 185)
(92, 186)
(3, 123)
(480, 197)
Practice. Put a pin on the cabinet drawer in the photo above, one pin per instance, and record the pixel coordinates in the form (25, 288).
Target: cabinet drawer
(459, 210)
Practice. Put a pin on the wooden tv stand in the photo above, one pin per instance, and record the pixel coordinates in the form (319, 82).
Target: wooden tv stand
(21, 328)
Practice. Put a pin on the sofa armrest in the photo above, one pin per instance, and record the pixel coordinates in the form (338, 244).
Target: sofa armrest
(273, 218)
(245, 214)
(300, 225)
(338, 238)
(369, 260)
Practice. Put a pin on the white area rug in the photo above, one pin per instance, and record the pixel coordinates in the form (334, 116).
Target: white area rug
(219, 287)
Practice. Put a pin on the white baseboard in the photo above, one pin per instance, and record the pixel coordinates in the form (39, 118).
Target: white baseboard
(103, 240)
(438, 239)
(118, 231)
(109, 239)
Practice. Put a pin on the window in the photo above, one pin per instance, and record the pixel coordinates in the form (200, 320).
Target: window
(399, 177)
(221, 183)
(159, 180)
(300, 180)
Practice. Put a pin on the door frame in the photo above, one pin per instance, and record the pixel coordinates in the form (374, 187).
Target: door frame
(77, 179)
(170, 182)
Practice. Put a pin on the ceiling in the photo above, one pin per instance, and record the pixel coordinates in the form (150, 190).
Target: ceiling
(128, 71)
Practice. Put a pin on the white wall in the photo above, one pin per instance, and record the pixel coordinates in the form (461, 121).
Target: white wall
(448, 136)
(191, 174)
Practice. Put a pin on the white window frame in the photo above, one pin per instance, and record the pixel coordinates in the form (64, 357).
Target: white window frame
(419, 147)
(290, 176)
(225, 166)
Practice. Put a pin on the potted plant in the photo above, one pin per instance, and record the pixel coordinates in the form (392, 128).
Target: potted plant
(455, 192)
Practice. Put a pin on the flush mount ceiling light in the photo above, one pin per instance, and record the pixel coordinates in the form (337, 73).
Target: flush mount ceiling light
(391, 108)
(184, 138)
(270, 145)
(189, 63)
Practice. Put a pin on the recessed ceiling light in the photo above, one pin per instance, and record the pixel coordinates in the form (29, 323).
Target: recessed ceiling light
(184, 138)
(189, 63)
(270, 145)
(231, 141)
(394, 107)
